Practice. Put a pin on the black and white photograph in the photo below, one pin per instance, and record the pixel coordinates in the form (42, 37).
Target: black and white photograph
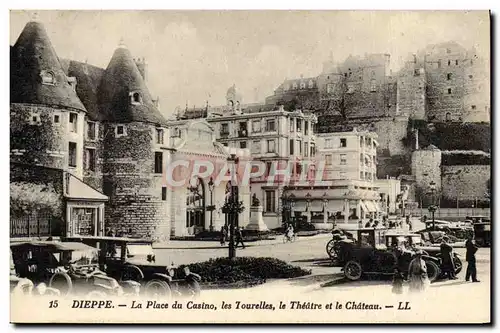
(244, 166)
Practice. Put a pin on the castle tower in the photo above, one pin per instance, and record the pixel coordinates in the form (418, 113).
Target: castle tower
(135, 154)
(426, 168)
(47, 117)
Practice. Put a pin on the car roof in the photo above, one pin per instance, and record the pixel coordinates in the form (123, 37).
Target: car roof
(110, 238)
(54, 246)
(401, 234)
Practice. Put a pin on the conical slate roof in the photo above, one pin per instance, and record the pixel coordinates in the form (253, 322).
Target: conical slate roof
(31, 56)
(121, 78)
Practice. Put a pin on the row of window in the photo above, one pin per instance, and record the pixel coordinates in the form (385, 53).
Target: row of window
(351, 88)
(92, 127)
(329, 159)
(302, 85)
(450, 62)
(270, 126)
(306, 148)
(329, 143)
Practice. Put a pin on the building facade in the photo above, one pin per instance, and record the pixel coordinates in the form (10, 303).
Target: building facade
(277, 138)
(350, 160)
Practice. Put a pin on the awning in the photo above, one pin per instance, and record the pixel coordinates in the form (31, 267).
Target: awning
(363, 206)
(76, 189)
(316, 206)
(334, 206)
(300, 206)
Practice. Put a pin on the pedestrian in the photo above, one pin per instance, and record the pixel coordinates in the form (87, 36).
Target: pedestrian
(239, 238)
(417, 271)
(408, 222)
(447, 265)
(223, 236)
(470, 256)
(397, 282)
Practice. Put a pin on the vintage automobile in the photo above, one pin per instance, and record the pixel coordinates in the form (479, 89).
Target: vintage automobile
(67, 267)
(455, 231)
(369, 254)
(478, 219)
(482, 234)
(132, 259)
(414, 241)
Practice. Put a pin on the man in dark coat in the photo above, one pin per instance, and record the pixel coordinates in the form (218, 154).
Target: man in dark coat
(447, 264)
(470, 256)
(239, 238)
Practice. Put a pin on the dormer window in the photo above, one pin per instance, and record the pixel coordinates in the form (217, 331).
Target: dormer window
(120, 131)
(311, 84)
(135, 97)
(48, 77)
(295, 85)
(302, 85)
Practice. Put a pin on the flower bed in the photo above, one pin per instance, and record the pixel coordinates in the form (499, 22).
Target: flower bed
(242, 271)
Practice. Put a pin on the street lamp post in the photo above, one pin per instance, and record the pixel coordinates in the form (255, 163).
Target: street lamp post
(432, 207)
(325, 212)
(291, 200)
(232, 207)
(211, 208)
(308, 202)
(285, 208)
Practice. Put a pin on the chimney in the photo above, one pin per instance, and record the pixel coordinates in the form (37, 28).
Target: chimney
(142, 67)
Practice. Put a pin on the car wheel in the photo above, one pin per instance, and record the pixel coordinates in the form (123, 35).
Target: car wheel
(132, 273)
(62, 282)
(352, 270)
(433, 270)
(157, 288)
(458, 265)
(194, 288)
(330, 248)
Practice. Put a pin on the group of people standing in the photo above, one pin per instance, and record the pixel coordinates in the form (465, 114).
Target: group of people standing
(224, 235)
(390, 224)
(417, 271)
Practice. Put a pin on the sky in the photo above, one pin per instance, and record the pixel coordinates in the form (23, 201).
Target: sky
(195, 56)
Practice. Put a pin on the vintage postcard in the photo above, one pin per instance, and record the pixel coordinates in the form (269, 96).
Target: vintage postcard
(250, 166)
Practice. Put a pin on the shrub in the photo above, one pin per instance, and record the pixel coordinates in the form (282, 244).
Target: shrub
(29, 198)
(247, 269)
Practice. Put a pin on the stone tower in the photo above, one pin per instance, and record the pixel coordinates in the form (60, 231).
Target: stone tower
(426, 168)
(135, 154)
(47, 117)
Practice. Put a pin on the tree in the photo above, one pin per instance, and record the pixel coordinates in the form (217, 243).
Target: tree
(28, 198)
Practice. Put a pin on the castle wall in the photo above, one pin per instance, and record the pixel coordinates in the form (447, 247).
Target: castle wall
(465, 182)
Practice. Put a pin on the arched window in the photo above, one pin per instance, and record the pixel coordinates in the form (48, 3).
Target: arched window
(302, 85)
(311, 84)
(448, 116)
(195, 206)
(295, 85)
(373, 85)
